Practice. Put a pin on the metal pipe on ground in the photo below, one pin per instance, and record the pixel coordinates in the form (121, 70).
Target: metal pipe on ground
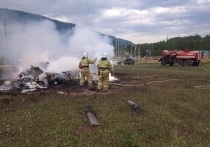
(135, 107)
(92, 118)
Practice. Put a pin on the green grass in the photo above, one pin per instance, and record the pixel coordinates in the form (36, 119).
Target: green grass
(176, 113)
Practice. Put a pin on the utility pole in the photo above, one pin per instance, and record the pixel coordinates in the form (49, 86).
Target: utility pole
(116, 48)
(131, 50)
(135, 51)
(6, 56)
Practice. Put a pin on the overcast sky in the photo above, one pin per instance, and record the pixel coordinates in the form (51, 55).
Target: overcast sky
(140, 21)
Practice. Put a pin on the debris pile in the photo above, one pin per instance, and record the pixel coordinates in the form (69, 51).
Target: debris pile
(34, 78)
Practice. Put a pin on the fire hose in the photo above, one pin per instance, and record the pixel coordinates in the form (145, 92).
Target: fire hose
(119, 84)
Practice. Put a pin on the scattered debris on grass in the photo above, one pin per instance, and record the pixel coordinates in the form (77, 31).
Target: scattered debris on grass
(203, 87)
(92, 118)
(135, 107)
(161, 81)
(205, 69)
(60, 92)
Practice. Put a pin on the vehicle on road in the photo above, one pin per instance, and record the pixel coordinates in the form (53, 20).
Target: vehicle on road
(129, 61)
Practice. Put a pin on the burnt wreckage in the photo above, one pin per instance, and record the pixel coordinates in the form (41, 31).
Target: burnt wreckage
(35, 78)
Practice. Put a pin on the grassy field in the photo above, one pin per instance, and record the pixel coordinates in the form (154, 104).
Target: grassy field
(176, 112)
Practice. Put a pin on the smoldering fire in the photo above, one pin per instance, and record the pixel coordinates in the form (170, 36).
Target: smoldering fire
(41, 42)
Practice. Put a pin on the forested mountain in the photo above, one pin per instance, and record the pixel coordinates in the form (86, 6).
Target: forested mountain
(23, 17)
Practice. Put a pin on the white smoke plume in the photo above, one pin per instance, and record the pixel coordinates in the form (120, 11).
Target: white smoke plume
(36, 42)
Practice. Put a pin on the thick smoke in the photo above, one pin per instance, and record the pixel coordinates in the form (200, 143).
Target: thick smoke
(36, 42)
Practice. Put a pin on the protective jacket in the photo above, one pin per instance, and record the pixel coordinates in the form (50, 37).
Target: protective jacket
(104, 67)
(84, 63)
(104, 64)
(85, 71)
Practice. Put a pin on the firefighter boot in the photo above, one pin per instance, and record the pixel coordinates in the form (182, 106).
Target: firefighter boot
(92, 88)
(98, 90)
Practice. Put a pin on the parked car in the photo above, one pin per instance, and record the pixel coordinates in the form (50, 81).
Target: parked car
(129, 61)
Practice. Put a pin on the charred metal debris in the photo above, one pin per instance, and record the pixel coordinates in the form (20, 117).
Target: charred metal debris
(93, 119)
(135, 107)
(91, 115)
(34, 78)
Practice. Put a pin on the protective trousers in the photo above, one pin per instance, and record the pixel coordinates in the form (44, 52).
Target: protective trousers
(86, 73)
(103, 80)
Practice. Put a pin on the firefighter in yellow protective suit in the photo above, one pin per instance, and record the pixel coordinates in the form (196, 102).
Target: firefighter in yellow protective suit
(104, 67)
(85, 71)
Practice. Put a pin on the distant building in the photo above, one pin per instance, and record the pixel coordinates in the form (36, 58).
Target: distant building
(206, 53)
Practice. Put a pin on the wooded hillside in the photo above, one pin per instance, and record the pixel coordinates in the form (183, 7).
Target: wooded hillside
(178, 43)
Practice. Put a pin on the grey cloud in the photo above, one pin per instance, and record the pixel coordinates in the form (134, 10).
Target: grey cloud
(192, 17)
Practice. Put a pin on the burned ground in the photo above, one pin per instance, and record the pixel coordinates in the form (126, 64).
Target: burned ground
(176, 111)
(128, 82)
(74, 89)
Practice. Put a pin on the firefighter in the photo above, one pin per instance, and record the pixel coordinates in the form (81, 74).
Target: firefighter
(104, 67)
(85, 71)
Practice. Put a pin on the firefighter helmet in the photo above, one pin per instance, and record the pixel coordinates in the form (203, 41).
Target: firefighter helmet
(85, 55)
(104, 55)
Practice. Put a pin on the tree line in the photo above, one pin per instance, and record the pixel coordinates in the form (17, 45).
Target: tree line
(195, 42)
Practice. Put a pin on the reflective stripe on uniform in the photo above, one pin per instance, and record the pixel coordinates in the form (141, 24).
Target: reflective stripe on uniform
(103, 64)
(85, 69)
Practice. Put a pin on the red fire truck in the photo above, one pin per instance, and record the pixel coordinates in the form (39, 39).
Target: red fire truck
(181, 58)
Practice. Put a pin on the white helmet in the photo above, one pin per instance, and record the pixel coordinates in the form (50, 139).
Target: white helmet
(85, 55)
(104, 55)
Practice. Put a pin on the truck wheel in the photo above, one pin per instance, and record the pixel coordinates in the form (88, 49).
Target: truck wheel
(187, 63)
(171, 64)
(180, 63)
(163, 62)
(196, 64)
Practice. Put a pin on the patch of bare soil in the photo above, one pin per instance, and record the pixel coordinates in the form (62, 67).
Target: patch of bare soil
(126, 83)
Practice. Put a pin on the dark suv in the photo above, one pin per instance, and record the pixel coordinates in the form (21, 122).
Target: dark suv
(129, 61)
